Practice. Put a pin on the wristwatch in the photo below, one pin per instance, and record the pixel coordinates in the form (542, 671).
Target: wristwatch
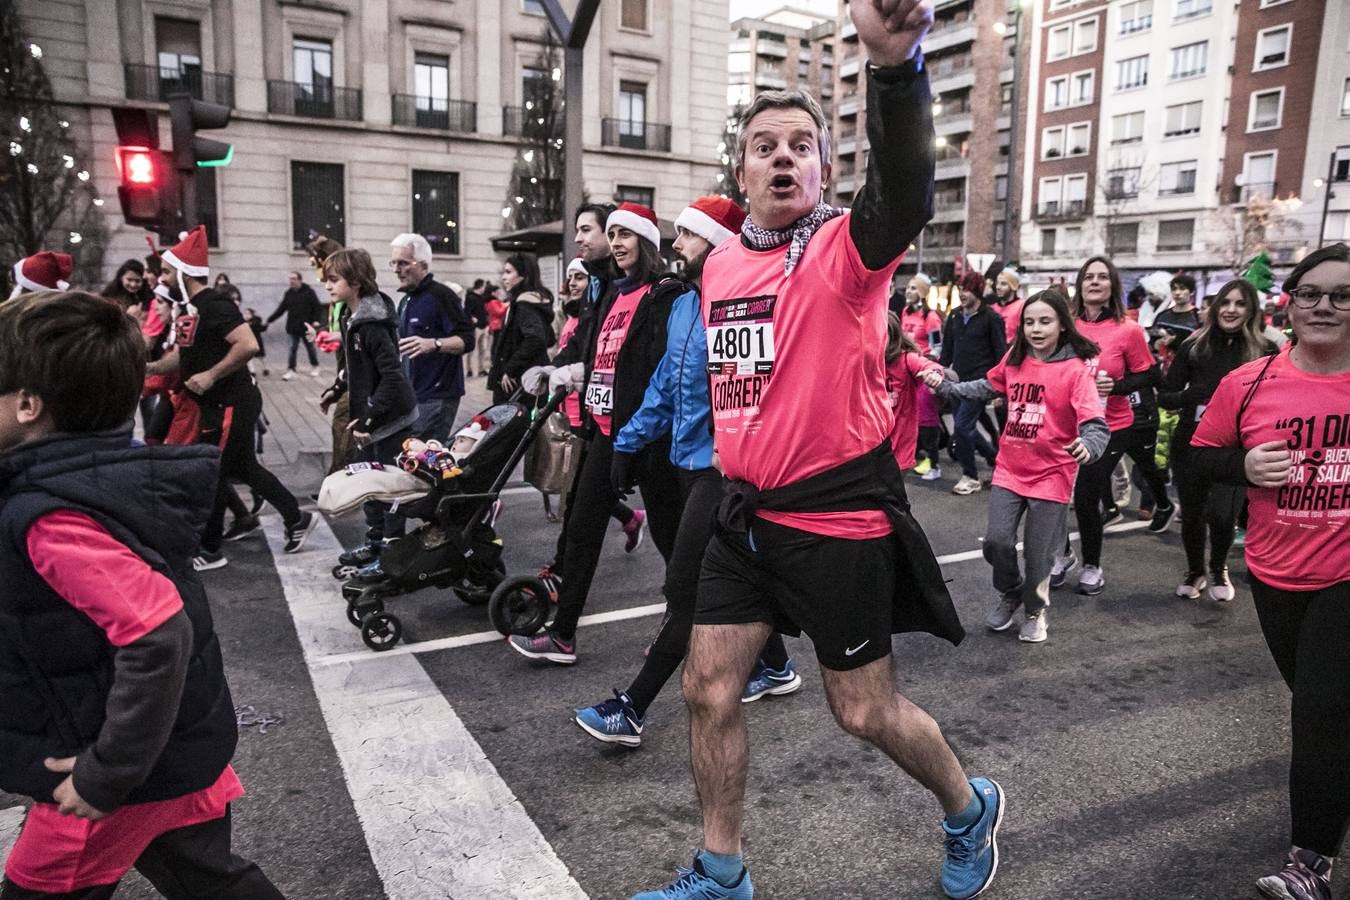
(438, 343)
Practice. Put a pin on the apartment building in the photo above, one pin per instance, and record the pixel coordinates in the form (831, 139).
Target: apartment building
(364, 118)
(1325, 186)
(1175, 134)
(970, 55)
(787, 49)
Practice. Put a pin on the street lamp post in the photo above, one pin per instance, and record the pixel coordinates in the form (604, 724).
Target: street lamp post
(572, 34)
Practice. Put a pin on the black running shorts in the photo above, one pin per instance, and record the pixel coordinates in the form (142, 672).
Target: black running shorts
(838, 592)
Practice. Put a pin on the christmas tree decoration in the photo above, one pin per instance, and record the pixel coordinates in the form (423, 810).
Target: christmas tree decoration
(1258, 273)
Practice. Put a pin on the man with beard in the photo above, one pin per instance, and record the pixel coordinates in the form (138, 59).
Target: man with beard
(676, 404)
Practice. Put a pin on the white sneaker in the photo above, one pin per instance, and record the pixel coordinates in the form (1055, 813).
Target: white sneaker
(1220, 587)
(1192, 586)
(1000, 618)
(316, 371)
(967, 485)
(932, 474)
(290, 373)
(1059, 572)
(1035, 628)
(1091, 580)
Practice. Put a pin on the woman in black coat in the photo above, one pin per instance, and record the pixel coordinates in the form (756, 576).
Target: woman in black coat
(527, 333)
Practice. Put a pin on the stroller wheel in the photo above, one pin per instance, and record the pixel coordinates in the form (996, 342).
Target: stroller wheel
(476, 589)
(519, 605)
(342, 573)
(381, 630)
(356, 612)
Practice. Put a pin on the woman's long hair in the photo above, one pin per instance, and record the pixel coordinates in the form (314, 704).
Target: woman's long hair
(649, 266)
(1201, 344)
(1068, 329)
(1115, 305)
(527, 267)
(113, 290)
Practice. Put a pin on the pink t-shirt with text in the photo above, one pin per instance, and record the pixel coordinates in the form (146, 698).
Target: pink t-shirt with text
(1298, 535)
(798, 369)
(905, 390)
(599, 397)
(1047, 401)
(1012, 319)
(918, 325)
(1124, 349)
(571, 403)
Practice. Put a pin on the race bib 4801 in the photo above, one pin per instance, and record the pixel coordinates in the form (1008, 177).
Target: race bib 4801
(740, 336)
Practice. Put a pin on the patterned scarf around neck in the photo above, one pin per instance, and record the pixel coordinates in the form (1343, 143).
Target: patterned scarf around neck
(795, 235)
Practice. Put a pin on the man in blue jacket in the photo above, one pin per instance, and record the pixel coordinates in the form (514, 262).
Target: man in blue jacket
(676, 405)
(434, 334)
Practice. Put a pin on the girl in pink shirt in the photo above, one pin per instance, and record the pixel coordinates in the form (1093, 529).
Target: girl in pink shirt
(1055, 423)
(905, 365)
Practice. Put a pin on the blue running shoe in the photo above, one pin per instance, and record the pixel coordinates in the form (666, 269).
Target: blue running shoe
(972, 855)
(766, 681)
(692, 884)
(370, 573)
(612, 721)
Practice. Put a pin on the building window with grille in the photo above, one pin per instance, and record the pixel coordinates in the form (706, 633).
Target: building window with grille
(1266, 110)
(313, 69)
(1177, 177)
(1122, 237)
(1132, 73)
(1127, 128)
(431, 89)
(1272, 48)
(1189, 61)
(633, 14)
(1083, 83)
(1189, 9)
(1048, 196)
(435, 209)
(627, 193)
(1175, 235)
(179, 54)
(318, 206)
(1122, 184)
(632, 114)
(1184, 118)
(1136, 16)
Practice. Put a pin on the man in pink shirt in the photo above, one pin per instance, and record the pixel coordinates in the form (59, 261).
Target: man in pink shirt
(814, 534)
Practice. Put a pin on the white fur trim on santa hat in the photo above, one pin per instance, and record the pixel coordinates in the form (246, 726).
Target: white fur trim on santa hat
(703, 225)
(194, 271)
(23, 282)
(639, 225)
(576, 265)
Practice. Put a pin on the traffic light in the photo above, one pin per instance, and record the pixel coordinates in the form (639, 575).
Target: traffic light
(186, 117)
(147, 187)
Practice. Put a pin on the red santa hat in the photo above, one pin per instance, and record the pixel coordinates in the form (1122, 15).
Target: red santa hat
(189, 255)
(44, 271)
(713, 218)
(638, 219)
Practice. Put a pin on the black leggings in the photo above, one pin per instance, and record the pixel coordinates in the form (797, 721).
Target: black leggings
(621, 513)
(1206, 506)
(183, 864)
(1093, 488)
(930, 439)
(239, 462)
(588, 519)
(700, 492)
(1308, 633)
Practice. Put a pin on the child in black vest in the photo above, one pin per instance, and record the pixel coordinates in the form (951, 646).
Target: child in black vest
(117, 720)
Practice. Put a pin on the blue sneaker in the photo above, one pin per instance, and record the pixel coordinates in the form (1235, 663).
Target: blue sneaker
(612, 721)
(370, 573)
(972, 855)
(692, 884)
(766, 681)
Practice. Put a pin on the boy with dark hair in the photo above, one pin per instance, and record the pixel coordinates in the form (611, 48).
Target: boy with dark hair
(117, 719)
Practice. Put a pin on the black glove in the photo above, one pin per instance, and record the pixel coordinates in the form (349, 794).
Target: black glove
(621, 473)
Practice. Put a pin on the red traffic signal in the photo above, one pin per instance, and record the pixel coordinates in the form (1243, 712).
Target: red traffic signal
(138, 166)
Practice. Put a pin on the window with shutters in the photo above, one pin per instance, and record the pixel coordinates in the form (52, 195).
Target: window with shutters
(1266, 110)
(1122, 237)
(1085, 36)
(1052, 142)
(1272, 48)
(1079, 140)
(627, 193)
(1189, 9)
(1182, 119)
(1175, 235)
(633, 14)
(1058, 41)
(1132, 73)
(1057, 92)
(1188, 61)
(1122, 184)
(1177, 178)
(1127, 128)
(1081, 89)
(1047, 242)
(1048, 196)
(1136, 16)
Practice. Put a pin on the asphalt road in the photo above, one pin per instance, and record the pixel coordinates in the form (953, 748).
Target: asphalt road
(1143, 748)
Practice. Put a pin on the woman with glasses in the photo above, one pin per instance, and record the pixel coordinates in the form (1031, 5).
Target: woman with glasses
(1280, 426)
(1230, 337)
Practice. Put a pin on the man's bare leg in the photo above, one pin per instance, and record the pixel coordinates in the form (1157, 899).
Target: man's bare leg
(719, 661)
(865, 703)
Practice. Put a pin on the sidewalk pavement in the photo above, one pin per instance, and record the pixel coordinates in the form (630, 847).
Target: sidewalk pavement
(298, 442)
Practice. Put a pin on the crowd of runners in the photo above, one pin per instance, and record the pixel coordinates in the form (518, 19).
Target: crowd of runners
(699, 391)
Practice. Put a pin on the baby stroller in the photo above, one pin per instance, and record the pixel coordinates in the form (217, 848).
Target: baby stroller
(457, 547)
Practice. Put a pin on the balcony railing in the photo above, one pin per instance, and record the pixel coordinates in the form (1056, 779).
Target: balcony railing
(1252, 189)
(314, 101)
(635, 135)
(434, 112)
(530, 123)
(1063, 212)
(157, 84)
